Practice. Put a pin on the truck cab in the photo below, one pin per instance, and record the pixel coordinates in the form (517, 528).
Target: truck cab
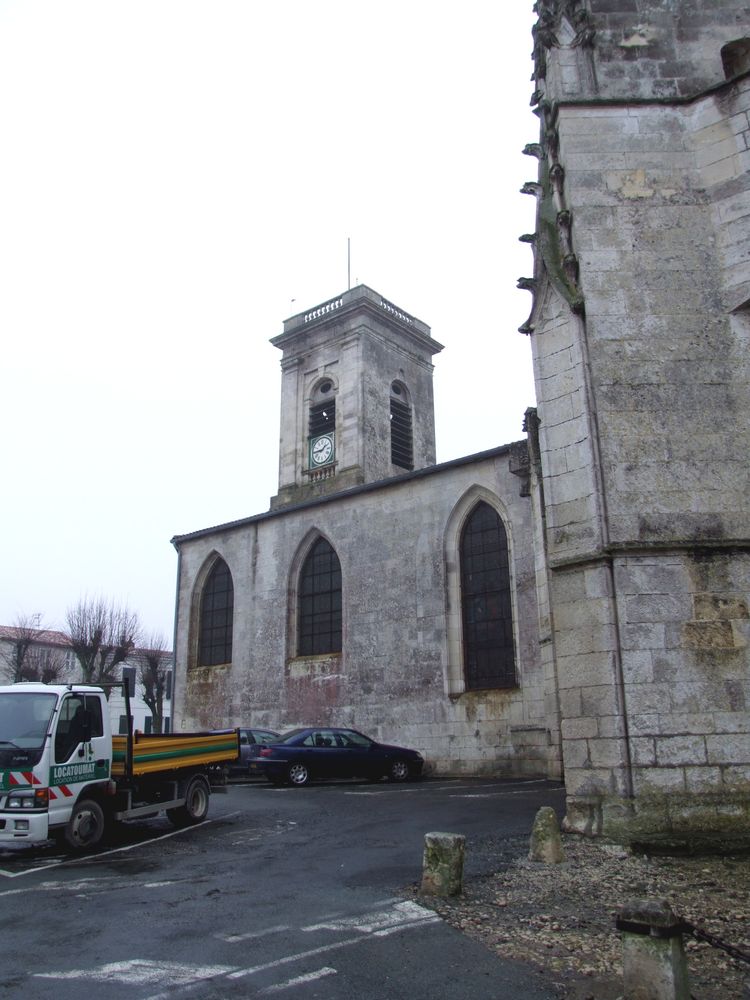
(54, 740)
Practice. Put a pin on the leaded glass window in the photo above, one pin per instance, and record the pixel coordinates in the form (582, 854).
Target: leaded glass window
(319, 607)
(216, 617)
(489, 654)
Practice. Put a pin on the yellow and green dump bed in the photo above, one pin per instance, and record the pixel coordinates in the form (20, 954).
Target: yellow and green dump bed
(172, 751)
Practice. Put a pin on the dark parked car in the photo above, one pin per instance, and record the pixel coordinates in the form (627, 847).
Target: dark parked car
(303, 754)
(251, 740)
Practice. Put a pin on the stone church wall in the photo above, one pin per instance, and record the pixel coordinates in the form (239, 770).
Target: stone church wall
(641, 369)
(397, 678)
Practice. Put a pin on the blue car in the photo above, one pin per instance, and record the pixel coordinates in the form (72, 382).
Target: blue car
(302, 755)
(250, 741)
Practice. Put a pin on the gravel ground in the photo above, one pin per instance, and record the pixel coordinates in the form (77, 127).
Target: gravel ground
(560, 918)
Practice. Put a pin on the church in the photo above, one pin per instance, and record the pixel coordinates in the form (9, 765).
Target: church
(380, 591)
(575, 605)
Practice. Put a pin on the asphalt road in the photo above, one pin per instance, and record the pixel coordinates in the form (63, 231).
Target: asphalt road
(293, 892)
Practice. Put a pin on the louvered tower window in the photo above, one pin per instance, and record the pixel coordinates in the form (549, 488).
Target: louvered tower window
(319, 608)
(489, 655)
(216, 617)
(402, 445)
(322, 418)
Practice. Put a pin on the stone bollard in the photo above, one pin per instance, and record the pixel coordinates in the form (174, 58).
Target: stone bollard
(546, 842)
(443, 864)
(653, 958)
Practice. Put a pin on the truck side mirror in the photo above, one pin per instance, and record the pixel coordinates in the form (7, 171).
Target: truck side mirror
(86, 727)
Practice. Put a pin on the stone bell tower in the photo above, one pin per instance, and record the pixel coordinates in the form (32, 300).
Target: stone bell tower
(356, 396)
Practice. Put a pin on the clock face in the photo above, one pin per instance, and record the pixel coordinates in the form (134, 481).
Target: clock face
(321, 449)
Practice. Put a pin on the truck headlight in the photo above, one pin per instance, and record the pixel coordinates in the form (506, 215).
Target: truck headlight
(28, 799)
(19, 801)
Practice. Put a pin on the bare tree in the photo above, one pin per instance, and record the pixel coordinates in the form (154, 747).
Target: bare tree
(45, 663)
(17, 643)
(156, 660)
(102, 636)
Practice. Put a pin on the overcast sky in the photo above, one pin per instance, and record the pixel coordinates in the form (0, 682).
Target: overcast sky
(177, 177)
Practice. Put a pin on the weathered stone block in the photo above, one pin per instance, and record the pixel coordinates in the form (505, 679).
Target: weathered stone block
(658, 779)
(577, 729)
(600, 700)
(643, 751)
(657, 608)
(703, 779)
(443, 864)
(611, 727)
(606, 753)
(728, 748)
(680, 723)
(638, 668)
(709, 635)
(576, 753)
(546, 843)
(680, 750)
(711, 607)
(736, 777)
(644, 725)
(653, 957)
(647, 699)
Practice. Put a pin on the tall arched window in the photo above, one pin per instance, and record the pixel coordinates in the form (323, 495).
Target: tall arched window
(319, 607)
(216, 615)
(489, 655)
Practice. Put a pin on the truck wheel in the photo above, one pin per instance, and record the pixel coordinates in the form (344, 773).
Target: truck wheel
(195, 809)
(86, 826)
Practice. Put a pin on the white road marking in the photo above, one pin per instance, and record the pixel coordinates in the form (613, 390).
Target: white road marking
(140, 972)
(300, 980)
(398, 916)
(81, 884)
(387, 931)
(241, 973)
(92, 885)
(235, 938)
(404, 916)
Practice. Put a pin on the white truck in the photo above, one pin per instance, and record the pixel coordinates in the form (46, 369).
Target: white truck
(63, 774)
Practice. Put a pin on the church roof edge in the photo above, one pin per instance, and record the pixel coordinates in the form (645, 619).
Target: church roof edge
(380, 484)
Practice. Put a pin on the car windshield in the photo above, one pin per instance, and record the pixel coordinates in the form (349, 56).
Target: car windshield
(24, 718)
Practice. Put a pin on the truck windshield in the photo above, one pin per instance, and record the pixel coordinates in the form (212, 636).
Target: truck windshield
(24, 718)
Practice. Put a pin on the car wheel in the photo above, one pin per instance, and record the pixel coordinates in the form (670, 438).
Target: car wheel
(398, 771)
(195, 810)
(86, 826)
(299, 775)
